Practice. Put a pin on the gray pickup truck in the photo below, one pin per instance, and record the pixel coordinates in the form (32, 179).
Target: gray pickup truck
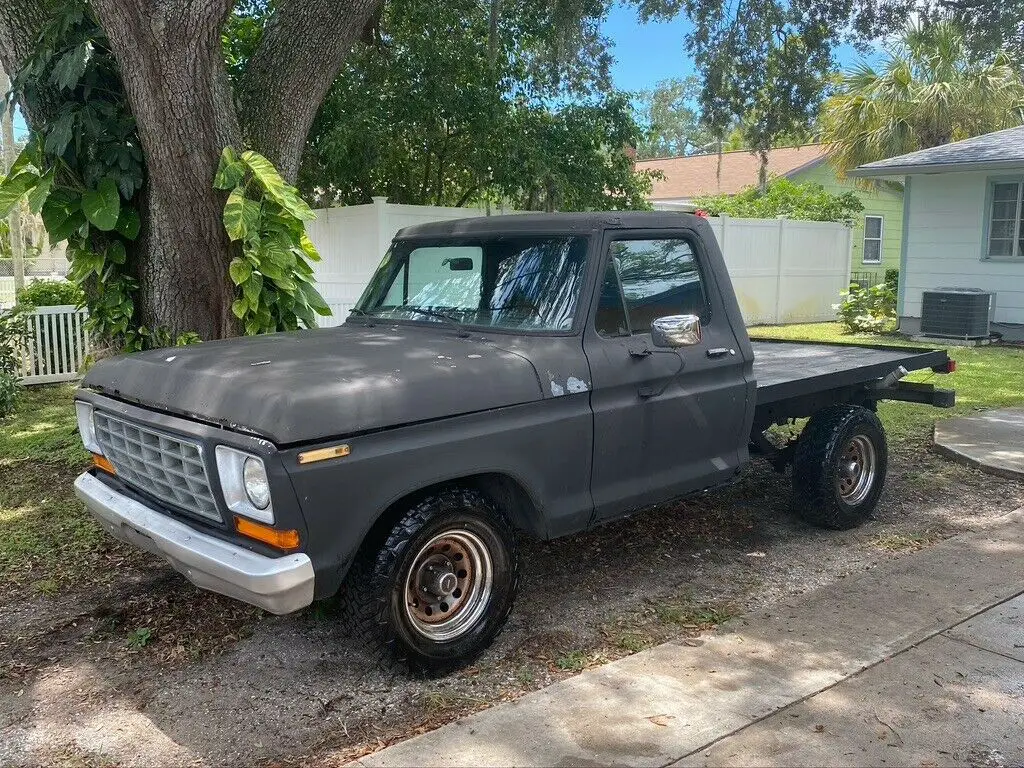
(540, 373)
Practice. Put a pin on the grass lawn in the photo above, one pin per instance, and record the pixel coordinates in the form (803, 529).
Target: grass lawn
(46, 538)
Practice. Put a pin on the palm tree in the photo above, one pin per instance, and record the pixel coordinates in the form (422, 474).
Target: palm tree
(928, 91)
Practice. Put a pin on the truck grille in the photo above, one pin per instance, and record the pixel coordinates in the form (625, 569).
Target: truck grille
(167, 467)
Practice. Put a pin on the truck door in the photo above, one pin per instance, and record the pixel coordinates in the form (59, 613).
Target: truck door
(667, 420)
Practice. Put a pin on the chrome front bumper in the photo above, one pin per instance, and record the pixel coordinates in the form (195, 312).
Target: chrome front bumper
(276, 584)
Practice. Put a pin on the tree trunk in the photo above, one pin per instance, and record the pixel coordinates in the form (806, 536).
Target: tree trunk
(17, 240)
(178, 90)
(286, 80)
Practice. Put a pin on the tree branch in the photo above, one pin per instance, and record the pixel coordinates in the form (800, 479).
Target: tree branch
(303, 48)
(20, 24)
(21, 21)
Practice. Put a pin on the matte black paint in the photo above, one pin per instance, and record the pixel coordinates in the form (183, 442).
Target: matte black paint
(587, 428)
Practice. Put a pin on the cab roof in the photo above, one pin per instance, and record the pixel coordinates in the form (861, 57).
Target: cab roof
(551, 223)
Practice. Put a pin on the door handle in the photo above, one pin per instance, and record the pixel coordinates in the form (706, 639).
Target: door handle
(639, 349)
(720, 352)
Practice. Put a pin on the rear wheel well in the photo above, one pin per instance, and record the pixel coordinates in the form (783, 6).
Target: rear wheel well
(507, 493)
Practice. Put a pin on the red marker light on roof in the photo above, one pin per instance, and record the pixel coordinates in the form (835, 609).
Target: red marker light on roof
(700, 212)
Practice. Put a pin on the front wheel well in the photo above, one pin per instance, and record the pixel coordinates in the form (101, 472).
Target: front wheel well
(505, 491)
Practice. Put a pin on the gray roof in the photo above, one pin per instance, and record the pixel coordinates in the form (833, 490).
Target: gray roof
(1001, 149)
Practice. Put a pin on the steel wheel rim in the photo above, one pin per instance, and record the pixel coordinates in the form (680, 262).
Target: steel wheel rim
(857, 467)
(449, 585)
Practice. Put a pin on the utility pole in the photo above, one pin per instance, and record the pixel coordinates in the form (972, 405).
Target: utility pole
(14, 219)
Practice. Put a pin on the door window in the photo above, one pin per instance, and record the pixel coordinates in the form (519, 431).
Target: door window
(648, 279)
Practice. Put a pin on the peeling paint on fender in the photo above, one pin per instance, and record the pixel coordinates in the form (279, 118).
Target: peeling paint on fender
(575, 385)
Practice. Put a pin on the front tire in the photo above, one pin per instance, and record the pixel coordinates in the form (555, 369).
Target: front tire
(441, 587)
(839, 467)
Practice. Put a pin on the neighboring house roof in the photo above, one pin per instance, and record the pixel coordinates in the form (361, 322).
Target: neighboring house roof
(688, 177)
(990, 151)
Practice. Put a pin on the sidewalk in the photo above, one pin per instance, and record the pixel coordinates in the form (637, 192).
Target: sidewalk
(917, 662)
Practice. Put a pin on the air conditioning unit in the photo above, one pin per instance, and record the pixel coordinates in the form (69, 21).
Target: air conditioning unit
(960, 313)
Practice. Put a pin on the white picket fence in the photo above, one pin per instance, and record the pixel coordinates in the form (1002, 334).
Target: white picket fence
(56, 345)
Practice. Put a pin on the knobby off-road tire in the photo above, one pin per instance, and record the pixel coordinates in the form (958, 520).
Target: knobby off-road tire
(839, 467)
(440, 588)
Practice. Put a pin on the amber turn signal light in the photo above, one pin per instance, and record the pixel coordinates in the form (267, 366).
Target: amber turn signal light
(266, 534)
(102, 462)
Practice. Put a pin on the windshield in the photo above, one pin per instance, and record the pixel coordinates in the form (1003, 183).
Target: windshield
(529, 283)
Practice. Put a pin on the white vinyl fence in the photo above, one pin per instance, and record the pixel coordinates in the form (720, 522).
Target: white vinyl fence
(56, 345)
(352, 240)
(783, 271)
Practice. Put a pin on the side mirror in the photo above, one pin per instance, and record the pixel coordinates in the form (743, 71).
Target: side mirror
(676, 331)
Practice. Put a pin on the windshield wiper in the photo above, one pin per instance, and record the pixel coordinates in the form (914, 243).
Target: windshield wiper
(453, 321)
(363, 313)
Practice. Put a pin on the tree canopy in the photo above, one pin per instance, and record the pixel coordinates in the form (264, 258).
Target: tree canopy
(929, 90)
(448, 106)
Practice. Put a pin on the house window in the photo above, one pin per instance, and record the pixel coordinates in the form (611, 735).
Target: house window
(1005, 238)
(872, 239)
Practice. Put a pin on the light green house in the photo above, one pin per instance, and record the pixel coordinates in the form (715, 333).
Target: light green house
(876, 235)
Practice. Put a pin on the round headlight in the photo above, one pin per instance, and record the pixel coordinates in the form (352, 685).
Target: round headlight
(257, 487)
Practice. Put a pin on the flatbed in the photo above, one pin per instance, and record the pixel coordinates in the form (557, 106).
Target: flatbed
(792, 369)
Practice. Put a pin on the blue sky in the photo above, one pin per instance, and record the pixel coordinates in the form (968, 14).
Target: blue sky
(647, 53)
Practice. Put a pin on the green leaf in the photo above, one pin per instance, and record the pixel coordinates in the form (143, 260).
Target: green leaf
(71, 66)
(308, 248)
(116, 252)
(59, 135)
(252, 288)
(277, 249)
(275, 187)
(14, 188)
(62, 217)
(230, 170)
(28, 158)
(239, 269)
(102, 205)
(241, 215)
(239, 307)
(37, 196)
(128, 223)
(305, 314)
(314, 299)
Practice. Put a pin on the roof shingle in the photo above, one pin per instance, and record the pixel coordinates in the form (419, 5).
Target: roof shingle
(687, 177)
(1004, 147)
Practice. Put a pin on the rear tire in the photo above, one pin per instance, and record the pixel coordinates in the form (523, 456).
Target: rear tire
(839, 467)
(441, 586)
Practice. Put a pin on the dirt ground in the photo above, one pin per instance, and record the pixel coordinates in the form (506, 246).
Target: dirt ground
(147, 670)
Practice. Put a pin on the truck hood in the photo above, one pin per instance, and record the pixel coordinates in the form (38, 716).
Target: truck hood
(311, 385)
